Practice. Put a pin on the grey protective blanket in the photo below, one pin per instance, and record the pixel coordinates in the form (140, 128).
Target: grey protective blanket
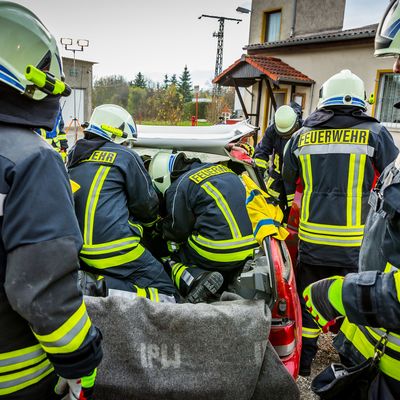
(186, 351)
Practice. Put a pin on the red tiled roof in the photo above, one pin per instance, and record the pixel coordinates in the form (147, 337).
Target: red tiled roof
(274, 68)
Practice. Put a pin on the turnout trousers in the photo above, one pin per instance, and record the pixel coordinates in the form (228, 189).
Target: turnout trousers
(307, 274)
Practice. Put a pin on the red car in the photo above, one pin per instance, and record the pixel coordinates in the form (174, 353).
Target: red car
(274, 261)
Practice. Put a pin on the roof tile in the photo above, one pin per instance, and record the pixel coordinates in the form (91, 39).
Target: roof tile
(274, 68)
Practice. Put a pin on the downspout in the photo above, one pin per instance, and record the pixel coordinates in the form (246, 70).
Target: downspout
(312, 98)
(292, 28)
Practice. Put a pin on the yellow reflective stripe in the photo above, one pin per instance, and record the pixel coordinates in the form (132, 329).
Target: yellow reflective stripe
(212, 191)
(91, 203)
(389, 268)
(261, 163)
(109, 262)
(388, 365)
(140, 292)
(393, 339)
(269, 183)
(360, 181)
(177, 271)
(310, 333)
(69, 336)
(396, 277)
(290, 196)
(137, 226)
(153, 293)
(110, 247)
(226, 243)
(350, 194)
(348, 241)
(150, 224)
(355, 189)
(221, 257)
(11, 383)
(18, 359)
(305, 161)
(336, 230)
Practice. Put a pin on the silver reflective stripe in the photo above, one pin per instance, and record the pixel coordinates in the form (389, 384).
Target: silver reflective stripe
(238, 242)
(2, 199)
(91, 249)
(36, 352)
(228, 214)
(336, 149)
(355, 242)
(187, 277)
(6, 384)
(67, 338)
(340, 230)
(131, 296)
(285, 350)
(380, 332)
(354, 190)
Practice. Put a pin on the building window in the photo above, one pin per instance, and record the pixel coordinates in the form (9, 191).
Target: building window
(272, 21)
(73, 72)
(388, 95)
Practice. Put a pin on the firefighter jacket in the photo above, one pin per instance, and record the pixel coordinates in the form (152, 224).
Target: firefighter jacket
(206, 210)
(45, 328)
(272, 144)
(372, 297)
(114, 200)
(56, 137)
(336, 154)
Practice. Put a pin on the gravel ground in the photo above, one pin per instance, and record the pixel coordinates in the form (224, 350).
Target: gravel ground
(325, 356)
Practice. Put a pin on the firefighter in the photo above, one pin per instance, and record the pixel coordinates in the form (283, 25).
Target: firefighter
(206, 223)
(336, 154)
(370, 299)
(113, 202)
(45, 332)
(56, 137)
(288, 119)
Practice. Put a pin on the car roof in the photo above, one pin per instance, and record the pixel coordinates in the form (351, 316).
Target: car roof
(205, 139)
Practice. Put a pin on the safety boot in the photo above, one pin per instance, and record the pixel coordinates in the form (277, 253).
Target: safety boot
(205, 287)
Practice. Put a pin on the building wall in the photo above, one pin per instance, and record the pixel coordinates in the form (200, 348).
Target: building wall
(323, 62)
(311, 16)
(259, 7)
(316, 16)
(82, 79)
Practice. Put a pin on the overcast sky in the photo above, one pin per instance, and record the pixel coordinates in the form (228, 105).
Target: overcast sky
(161, 36)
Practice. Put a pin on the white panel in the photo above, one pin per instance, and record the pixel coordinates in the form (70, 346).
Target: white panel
(67, 105)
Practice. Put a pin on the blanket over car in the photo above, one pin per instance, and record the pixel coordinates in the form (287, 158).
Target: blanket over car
(187, 351)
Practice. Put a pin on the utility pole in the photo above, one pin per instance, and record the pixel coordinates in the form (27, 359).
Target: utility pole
(220, 46)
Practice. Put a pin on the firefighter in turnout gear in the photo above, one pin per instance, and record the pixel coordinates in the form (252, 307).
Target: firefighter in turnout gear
(45, 332)
(114, 201)
(57, 138)
(206, 223)
(288, 119)
(371, 299)
(336, 154)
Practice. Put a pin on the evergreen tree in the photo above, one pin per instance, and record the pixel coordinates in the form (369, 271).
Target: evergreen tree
(139, 81)
(185, 85)
(166, 81)
(174, 80)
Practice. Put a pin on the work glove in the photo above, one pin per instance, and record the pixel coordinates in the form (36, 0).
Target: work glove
(77, 389)
(91, 284)
(324, 301)
(248, 148)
